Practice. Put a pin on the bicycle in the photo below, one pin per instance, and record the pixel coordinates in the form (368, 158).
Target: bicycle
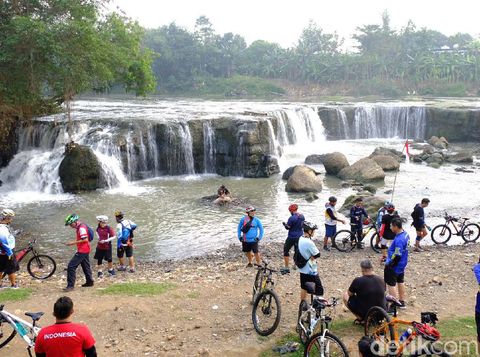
(266, 304)
(442, 233)
(10, 325)
(345, 240)
(40, 266)
(385, 331)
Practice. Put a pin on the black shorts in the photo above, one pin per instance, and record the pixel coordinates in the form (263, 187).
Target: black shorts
(289, 243)
(418, 227)
(103, 254)
(477, 322)
(250, 247)
(354, 307)
(8, 266)
(391, 278)
(128, 251)
(307, 278)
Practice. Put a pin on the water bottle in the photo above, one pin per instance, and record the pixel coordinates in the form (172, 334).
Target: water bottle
(21, 329)
(429, 228)
(405, 335)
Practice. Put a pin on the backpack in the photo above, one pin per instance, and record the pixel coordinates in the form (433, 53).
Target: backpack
(246, 227)
(298, 258)
(130, 229)
(91, 233)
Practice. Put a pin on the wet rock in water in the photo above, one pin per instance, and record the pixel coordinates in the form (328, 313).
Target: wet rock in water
(350, 183)
(389, 152)
(463, 169)
(461, 157)
(304, 179)
(310, 197)
(435, 158)
(387, 162)
(429, 149)
(314, 159)
(288, 172)
(364, 170)
(370, 188)
(335, 162)
(371, 203)
(388, 192)
(439, 143)
(434, 165)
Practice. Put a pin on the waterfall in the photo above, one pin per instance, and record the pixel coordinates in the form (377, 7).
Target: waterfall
(343, 123)
(208, 147)
(187, 147)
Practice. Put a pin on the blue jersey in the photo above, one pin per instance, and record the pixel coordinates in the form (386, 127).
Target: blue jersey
(399, 248)
(7, 241)
(356, 214)
(476, 270)
(124, 231)
(254, 234)
(295, 222)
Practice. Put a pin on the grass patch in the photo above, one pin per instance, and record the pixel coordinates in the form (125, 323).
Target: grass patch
(138, 289)
(193, 295)
(14, 294)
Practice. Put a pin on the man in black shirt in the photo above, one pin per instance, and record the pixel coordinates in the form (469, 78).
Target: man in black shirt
(365, 292)
(385, 232)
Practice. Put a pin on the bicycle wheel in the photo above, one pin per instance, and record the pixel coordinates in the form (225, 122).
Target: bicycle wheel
(257, 284)
(41, 266)
(330, 345)
(344, 241)
(441, 234)
(471, 232)
(303, 321)
(430, 350)
(373, 243)
(377, 326)
(266, 312)
(6, 333)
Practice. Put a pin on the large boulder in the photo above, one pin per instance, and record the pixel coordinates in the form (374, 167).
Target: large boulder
(335, 162)
(371, 203)
(387, 162)
(288, 172)
(439, 143)
(304, 179)
(398, 155)
(80, 170)
(364, 170)
(314, 159)
(461, 157)
(435, 158)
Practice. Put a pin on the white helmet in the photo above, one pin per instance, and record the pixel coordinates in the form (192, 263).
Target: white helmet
(7, 213)
(103, 219)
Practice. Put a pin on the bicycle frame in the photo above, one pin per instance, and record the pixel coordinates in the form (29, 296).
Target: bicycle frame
(32, 333)
(458, 230)
(315, 317)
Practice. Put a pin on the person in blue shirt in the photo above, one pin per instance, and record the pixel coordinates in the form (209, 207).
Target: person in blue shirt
(331, 220)
(125, 246)
(418, 216)
(357, 212)
(294, 226)
(8, 262)
(476, 270)
(309, 252)
(396, 263)
(250, 232)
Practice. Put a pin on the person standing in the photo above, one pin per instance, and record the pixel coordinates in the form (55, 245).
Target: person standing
(105, 235)
(82, 256)
(378, 221)
(8, 262)
(396, 263)
(294, 226)
(125, 246)
(331, 220)
(476, 270)
(357, 212)
(385, 232)
(309, 254)
(250, 232)
(65, 338)
(418, 216)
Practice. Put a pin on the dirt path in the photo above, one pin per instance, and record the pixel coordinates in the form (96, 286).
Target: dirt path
(208, 310)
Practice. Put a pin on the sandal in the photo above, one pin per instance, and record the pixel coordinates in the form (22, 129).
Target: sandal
(359, 322)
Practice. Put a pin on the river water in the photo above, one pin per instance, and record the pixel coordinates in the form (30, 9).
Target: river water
(173, 220)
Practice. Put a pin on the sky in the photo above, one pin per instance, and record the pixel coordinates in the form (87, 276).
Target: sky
(283, 21)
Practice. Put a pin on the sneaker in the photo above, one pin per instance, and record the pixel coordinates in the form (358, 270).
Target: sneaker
(285, 270)
(68, 288)
(14, 286)
(131, 270)
(249, 265)
(403, 305)
(111, 272)
(100, 274)
(418, 249)
(122, 268)
(377, 247)
(325, 248)
(88, 284)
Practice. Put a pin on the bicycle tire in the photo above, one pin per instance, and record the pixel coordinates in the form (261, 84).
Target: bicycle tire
(5, 341)
(441, 234)
(342, 241)
(266, 298)
(303, 307)
(257, 284)
(314, 348)
(471, 232)
(377, 326)
(37, 263)
(430, 352)
(373, 242)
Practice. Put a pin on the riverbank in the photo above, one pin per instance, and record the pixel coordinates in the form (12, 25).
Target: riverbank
(204, 308)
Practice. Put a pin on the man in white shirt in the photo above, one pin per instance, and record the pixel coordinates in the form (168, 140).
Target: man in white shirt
(308, 253)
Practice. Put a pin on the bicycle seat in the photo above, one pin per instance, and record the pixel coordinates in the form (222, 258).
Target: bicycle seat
(465, 218)
(35, 315)
(319, 303)
(393, 300)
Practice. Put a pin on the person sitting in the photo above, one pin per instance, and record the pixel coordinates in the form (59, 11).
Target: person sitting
(365, 292)
(223, 195)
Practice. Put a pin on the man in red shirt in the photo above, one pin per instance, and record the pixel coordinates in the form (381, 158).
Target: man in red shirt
(65, 338)
(82, 256)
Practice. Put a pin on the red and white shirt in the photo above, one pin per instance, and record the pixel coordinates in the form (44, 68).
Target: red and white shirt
(82, 233)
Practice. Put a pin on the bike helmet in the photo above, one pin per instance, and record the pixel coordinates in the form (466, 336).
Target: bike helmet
(103, 219)
(390, 207)
(293, 207)
(308, 226)
(332, 199)
(7, 213)
(71, 218)
(118, 213)
(250, 209)
(386, 203)
(428, 332)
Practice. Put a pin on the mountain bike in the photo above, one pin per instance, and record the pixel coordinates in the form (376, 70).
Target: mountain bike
(266, 311)
(345, 240)
(442, 233)
(10, 325)
(385, 331)
(40, 266)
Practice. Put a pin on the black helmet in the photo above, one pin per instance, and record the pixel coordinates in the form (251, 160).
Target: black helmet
(308, 226)
(332, 199)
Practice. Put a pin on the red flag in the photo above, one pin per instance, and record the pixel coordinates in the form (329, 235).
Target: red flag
(407, 153)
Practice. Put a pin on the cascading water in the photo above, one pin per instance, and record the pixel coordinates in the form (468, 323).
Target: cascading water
(208, 147)
(343, 122)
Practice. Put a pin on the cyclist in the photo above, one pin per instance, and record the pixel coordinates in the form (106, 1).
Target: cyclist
(309, 252)
(82, 256)
(397, 260)
(365, 292)
(385, 232)
(476, 270)
(105, 235)
(418, 216)
(357, 212)
(8, 261)
(378, 222)
(294, 226)
(250, 232)
(65, 338)
(331, 220)
(125, 246)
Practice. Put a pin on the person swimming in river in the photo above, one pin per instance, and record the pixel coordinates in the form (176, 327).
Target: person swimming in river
(223, 195)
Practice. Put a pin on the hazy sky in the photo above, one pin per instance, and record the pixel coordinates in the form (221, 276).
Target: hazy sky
(282, 21)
